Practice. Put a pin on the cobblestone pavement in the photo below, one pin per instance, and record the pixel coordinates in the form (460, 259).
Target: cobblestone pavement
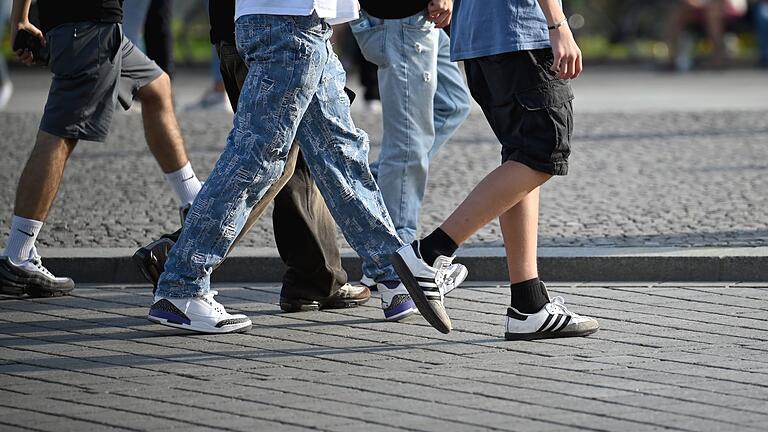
(688, 357)
(668, 164)
(636, 179)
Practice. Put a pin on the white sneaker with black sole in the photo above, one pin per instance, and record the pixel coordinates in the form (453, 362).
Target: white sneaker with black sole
(369, 283)
(198, 314)
(554, 320)
(32, 278)
(426, 284)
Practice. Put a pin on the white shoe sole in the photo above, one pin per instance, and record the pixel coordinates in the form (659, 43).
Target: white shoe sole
(203, 328)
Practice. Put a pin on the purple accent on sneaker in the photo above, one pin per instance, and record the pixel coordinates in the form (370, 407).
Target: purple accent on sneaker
(169, 316)
(390, 284)
(402, 307)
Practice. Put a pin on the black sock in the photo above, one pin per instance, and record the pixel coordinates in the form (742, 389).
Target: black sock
(529, 296)
(436, 244)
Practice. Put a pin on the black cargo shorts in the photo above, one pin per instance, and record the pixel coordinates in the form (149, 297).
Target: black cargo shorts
(528, 108)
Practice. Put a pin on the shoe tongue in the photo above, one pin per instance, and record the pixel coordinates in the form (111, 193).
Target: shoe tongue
(442, 261)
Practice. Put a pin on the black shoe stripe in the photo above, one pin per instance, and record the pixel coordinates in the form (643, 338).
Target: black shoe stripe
(429, 288)
(423, 279)
(546, 323)
(565, 323)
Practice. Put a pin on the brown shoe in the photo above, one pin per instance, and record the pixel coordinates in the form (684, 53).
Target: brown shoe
(347, 296)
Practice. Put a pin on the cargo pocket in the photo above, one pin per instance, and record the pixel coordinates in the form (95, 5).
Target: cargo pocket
(547, 122)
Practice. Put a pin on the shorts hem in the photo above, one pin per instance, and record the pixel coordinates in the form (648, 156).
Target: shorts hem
(67, 135)
(555, 168)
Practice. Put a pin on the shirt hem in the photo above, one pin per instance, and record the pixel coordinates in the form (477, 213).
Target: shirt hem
(466, 55)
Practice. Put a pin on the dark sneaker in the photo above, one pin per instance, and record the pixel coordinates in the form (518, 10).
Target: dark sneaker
(426, 284)
(31, 278)
(552, 321)
(347, 296)
(199, 314)
(151, 258)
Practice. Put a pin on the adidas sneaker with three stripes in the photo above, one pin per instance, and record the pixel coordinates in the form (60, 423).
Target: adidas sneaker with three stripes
(552, 321)
(427, 284)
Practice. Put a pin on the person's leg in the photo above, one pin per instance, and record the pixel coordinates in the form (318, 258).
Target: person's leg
(41, 177)
(452, 105)
(254, 158)
(761, 22)
(406, 52)
(134, 15)
(715, 26)
(305, 234)
(80, 105)
(142, 79)
(498, 192)
(530, 112)
(158, 35)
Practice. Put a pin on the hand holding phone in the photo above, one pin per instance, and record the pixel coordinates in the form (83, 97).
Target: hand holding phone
(29, 46)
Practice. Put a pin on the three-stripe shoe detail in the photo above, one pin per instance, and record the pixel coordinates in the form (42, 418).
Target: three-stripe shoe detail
(430, 288)
(554, 323)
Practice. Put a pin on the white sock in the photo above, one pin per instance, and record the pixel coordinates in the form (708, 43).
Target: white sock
(185, 184)
(21, 239)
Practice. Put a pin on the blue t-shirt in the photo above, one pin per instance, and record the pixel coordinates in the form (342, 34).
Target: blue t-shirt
(486, 27)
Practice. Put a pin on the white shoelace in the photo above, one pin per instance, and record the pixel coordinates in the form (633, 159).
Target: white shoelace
(559, 302)
(37, 261)
(443, 277)
(208, 298)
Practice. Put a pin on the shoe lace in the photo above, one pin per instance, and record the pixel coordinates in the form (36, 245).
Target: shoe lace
(208, 298)
(444, 275)
(559, 303)
(37, 261)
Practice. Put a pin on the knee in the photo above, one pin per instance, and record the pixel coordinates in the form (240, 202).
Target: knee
(156, 93)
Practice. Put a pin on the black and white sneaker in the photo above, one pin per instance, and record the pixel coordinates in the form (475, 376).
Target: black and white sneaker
(426, 284)
(32, 278)
(554, 320)
(368, 283)
(151, 258)
(199, 314)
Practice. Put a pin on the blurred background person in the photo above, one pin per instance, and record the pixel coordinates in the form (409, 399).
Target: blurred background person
(152, 20)
(215, 97)
(713, 15)
(761, 24)
(6, 88)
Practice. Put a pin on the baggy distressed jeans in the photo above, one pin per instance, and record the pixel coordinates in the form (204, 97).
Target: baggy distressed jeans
(423, 99)
(294, 89)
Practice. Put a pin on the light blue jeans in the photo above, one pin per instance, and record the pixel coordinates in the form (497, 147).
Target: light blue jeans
(294, 89)
(423, 100)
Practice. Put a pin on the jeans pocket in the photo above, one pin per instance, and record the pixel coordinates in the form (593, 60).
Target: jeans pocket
(371, 37)
(418, 22)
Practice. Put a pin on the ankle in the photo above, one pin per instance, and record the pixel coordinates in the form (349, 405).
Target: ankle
(528, 296)
(434, 245)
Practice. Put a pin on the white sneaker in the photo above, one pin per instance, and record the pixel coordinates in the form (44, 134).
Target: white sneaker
(396, 303)
(368, 282)
(554, 320)
(200, 314)
(32, 278)
(6, 91)
(212, 101)
(426, 284)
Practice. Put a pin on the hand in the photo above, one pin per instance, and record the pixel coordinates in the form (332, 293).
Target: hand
(25, 55)
(439, 12)
(567, 54)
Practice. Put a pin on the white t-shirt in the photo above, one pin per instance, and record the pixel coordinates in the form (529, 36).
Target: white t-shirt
(334, 11)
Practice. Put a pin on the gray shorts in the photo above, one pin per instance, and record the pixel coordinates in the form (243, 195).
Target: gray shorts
(94, 65)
